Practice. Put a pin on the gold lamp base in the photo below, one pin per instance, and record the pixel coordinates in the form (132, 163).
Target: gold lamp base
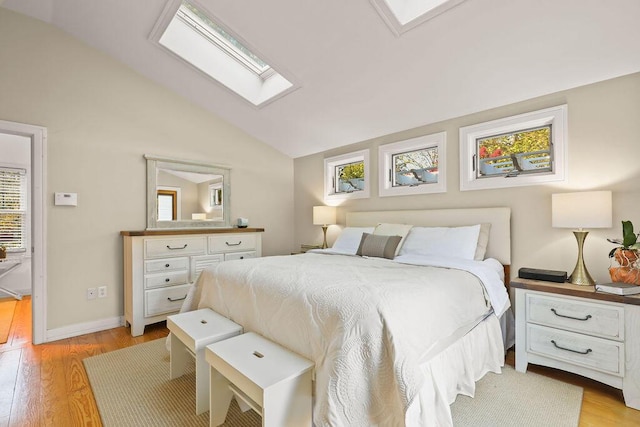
(324, 231)
(580, 275)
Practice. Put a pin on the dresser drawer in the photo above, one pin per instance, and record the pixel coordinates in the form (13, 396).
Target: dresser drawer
(576, 315)
(164, 300)
(169, 278)
(168, 264)
(590, 352)
(173, 247)
(240, 255)
(232, 243)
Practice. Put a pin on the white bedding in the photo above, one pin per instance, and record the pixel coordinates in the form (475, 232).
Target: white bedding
(370, 326)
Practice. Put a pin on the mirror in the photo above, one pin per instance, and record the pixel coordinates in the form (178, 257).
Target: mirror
(186, 194)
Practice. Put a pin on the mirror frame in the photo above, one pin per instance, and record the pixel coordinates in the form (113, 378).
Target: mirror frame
(155, 162)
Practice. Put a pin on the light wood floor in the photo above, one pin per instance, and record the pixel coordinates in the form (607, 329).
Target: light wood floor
(46, 385)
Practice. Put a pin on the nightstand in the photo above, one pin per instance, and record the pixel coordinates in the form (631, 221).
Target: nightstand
(305, 248)
(576, 329)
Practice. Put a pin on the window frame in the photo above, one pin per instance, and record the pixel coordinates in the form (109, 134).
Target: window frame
(176, 194)
(387, 152)
(330, 165)
(221, 63)
(556, 117)
(25, 224)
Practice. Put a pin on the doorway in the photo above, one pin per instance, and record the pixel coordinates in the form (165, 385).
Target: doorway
(22, 163)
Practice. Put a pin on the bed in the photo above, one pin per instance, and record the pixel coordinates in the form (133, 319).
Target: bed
(394, 340)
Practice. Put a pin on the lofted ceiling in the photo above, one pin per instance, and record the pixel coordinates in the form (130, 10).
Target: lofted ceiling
(358, 80)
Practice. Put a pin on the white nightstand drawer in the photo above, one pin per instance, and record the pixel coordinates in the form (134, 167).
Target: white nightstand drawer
(164, 300)
(590, 352)
(576, 315)
(167, 279)
(176, 246)
(169, 264)
(232, 242)
(240, 255)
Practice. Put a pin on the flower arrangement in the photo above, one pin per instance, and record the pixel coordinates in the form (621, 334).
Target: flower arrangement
(625, 267)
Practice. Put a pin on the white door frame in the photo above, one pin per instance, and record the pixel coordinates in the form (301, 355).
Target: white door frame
(38, 137)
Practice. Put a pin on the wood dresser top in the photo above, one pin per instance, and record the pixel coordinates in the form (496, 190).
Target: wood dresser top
(180, 231)
(573, 290)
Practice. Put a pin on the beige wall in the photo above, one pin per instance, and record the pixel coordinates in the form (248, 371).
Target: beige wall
(101, 118)
(604, 153)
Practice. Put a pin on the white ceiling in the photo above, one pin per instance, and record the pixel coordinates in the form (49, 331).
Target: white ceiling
(358, 80)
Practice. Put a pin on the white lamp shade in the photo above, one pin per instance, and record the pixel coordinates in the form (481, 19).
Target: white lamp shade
(324, 215)
(588, 209)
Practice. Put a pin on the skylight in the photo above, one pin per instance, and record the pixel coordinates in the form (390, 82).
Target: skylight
(403, 15)
(188, 31)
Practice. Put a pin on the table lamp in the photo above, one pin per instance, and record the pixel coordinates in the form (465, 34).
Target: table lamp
(588, 209)
(324, 216)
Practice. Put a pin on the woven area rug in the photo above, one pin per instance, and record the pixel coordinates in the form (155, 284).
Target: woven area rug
(7, 308)
(132, 388)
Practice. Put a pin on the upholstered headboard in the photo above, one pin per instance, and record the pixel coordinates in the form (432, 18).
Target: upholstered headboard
(500, 219)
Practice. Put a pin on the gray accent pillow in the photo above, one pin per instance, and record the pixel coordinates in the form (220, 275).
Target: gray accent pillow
(378, 246)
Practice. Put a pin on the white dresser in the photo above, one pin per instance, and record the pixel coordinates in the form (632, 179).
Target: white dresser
(576, 329)
(160, 265)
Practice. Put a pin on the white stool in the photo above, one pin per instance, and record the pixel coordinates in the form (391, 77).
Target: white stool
(191, 332)
(273, 381)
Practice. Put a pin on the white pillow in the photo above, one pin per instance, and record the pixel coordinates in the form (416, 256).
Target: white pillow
(349, 239)
(393, 230)
(456, 242)
(483, 241)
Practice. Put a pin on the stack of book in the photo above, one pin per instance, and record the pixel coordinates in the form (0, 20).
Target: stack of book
(618, 288)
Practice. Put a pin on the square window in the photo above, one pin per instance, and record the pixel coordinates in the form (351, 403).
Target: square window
(347, 176)
(528, 149)
(193, 34)
(414, 166)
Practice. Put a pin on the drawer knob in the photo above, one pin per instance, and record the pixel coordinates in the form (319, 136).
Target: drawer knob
(176, 299)
(234, 244)
(166, 265)
(241, 257)
(173, 249)
(167, 280)
(587, 351)
(587, 317)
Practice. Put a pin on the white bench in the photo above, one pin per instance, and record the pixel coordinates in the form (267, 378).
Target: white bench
(191, 332)
(273, 381)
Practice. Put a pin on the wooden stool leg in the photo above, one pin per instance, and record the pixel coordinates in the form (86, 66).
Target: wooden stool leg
(202, 383)
(219, 398)
(288, 403)
(179, 357)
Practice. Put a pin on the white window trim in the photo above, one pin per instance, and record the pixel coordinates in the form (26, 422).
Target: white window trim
(329, 175)
(385, 159)
(555, 116)
(25, 185)
(259, 90)
(404, 15)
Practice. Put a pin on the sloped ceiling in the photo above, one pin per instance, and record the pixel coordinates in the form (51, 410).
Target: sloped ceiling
(359, 80)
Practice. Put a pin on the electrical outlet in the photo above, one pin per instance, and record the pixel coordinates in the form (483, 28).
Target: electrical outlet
(102, 292)
(91, 293)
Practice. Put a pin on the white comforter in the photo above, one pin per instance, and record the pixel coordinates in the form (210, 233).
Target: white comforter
(367, 324)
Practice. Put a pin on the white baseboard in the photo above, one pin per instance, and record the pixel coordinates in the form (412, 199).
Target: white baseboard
(83, 328)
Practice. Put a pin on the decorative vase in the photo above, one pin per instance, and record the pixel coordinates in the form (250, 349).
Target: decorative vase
(625, 275)
(625, 257)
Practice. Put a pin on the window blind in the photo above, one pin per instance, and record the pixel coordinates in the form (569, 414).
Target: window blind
(13, 209)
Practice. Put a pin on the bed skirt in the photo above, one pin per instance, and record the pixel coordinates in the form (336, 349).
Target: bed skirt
(455, 371)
